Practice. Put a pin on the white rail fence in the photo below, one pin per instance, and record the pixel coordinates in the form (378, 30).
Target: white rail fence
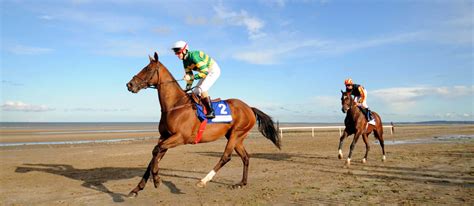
(341, 128)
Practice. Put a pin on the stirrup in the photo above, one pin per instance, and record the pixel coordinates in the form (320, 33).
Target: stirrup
(209, 116)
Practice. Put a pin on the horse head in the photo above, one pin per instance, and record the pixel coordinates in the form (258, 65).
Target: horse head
(147, 77)
(346, 101)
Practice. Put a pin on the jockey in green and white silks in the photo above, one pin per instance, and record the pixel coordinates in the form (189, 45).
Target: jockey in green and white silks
(207, 72)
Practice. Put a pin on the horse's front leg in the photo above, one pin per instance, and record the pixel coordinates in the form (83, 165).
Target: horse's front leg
(365, 137)
(157, 156)
(341, 140)
(158, 153)
(354, 142)
(142, 182)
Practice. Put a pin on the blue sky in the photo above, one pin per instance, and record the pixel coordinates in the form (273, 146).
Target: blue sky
(70, 60)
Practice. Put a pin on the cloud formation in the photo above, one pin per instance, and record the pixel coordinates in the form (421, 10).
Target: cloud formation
(29, 50)
(19, 106)
(404, 98)
(253, 24)
(85, 109)
(272, 50)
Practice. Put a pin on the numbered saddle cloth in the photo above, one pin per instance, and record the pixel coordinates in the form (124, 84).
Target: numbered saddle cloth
(221, 110)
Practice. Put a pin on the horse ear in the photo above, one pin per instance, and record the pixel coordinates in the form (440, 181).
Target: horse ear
(156, 56)
(151, 58)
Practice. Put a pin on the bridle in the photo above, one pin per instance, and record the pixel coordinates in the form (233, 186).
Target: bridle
(143, 84)
(348, 96)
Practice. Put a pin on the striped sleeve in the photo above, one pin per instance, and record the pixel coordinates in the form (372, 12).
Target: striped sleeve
(362, 94)
(202, 62)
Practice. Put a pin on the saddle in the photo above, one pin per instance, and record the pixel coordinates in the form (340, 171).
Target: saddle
(221, 109)
(196, 100)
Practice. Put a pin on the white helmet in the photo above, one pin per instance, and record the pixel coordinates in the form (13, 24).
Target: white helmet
(179, 46)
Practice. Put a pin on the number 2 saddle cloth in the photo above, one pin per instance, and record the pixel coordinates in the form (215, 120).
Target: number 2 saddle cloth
(221, 110)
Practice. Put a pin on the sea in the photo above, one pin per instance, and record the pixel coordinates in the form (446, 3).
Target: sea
(36, 130)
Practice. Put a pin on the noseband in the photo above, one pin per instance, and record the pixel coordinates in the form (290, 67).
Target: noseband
(144, 84)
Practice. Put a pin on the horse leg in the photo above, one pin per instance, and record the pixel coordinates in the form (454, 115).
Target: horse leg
(224, 159)
(240, 150)
(379, 135)
(341, 140)
(158, 155)
(160, 150)
(365, 137)
(354, 141)
(145, 177)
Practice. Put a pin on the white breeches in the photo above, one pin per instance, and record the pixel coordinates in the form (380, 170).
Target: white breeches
(364, 103)
(205, 84)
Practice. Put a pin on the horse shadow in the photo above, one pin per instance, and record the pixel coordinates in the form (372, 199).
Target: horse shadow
(326, 164)
(95, 178)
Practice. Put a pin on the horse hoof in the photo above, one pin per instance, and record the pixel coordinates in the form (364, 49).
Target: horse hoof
(364, 161)
(132, 195)
(201, 184)
(237, 186)
(383, 158)
(339, 156)
(348, 162)
(157, 183)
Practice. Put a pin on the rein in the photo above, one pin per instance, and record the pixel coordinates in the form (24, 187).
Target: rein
(144, 83)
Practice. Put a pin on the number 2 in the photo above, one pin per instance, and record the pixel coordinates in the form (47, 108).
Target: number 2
(223, 107)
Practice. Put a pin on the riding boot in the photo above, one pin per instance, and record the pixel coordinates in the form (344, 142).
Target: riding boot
(210, 111)
(370, 117)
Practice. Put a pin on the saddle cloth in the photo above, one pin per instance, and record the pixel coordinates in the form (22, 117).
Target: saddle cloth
(221, 110)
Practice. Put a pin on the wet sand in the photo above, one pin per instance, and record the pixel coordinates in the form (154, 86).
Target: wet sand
(305, 172)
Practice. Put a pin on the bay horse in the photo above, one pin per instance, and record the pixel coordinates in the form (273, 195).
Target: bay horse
(356, 123)
(179, 123)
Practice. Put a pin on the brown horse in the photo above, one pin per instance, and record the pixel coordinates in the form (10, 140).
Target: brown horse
(179, 123)
(356, 123)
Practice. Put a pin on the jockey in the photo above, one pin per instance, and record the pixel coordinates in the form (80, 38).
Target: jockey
(207, 72)
(360, 97)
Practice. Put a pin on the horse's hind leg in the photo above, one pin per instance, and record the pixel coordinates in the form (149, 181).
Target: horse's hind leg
(341, 140)
(224, 159)
(240, 149)
(365, 137)
(379, 135)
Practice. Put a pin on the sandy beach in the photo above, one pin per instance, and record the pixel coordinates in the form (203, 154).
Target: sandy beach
(426, 164)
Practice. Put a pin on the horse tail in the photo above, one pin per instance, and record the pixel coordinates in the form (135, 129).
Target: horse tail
(266, 126)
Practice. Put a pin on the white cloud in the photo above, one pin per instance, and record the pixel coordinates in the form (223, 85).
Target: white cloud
(129, 48)
(328, 102)
(100, 21)
(85, 109)
(271, 51)
(23, 107)
(29, 50)
(11, 83)
(405, 98)
(242, 18)
(274, 51)
(454, 115)
(46, 17)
